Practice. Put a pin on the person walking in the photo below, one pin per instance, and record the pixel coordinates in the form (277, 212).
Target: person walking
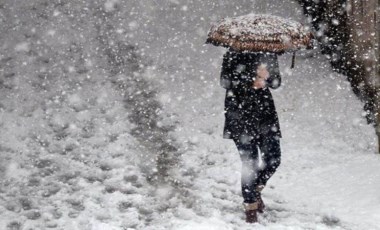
(251, 120)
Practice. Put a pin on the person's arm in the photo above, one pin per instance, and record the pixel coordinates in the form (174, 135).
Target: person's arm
(227, 71)
(231, 76)
(274, 80)
(229, 80)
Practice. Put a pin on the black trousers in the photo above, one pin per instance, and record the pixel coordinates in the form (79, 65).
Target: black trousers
(253, 173)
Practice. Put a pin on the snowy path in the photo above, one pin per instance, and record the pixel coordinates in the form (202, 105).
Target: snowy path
(329, 174)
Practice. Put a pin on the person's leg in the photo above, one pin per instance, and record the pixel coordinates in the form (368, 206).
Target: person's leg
(248, 153)
(271, 156)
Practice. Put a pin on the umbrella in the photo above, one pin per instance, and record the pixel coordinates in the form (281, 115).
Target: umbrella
(260, 33)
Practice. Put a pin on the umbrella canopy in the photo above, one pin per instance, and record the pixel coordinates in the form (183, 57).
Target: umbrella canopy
(260, 32)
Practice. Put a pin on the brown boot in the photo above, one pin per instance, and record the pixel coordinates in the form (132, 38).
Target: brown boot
(261, 205)
(251, 212)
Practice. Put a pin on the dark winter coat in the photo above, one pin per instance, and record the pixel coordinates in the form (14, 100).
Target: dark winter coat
(248, 111)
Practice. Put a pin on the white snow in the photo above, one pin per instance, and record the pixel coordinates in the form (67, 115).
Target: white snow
(22, 47)
(260, 25)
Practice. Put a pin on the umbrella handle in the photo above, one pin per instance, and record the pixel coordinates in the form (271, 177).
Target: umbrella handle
(293, 60)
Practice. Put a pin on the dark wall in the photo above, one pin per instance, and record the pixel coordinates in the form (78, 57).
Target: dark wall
(330, 20)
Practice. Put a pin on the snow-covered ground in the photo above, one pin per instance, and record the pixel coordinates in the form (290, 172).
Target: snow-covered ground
(73, 97)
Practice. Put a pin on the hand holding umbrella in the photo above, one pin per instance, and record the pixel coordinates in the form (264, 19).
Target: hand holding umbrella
(262, 76)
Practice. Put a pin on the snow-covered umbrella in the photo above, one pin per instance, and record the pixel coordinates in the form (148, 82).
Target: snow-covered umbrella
(260, 33)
